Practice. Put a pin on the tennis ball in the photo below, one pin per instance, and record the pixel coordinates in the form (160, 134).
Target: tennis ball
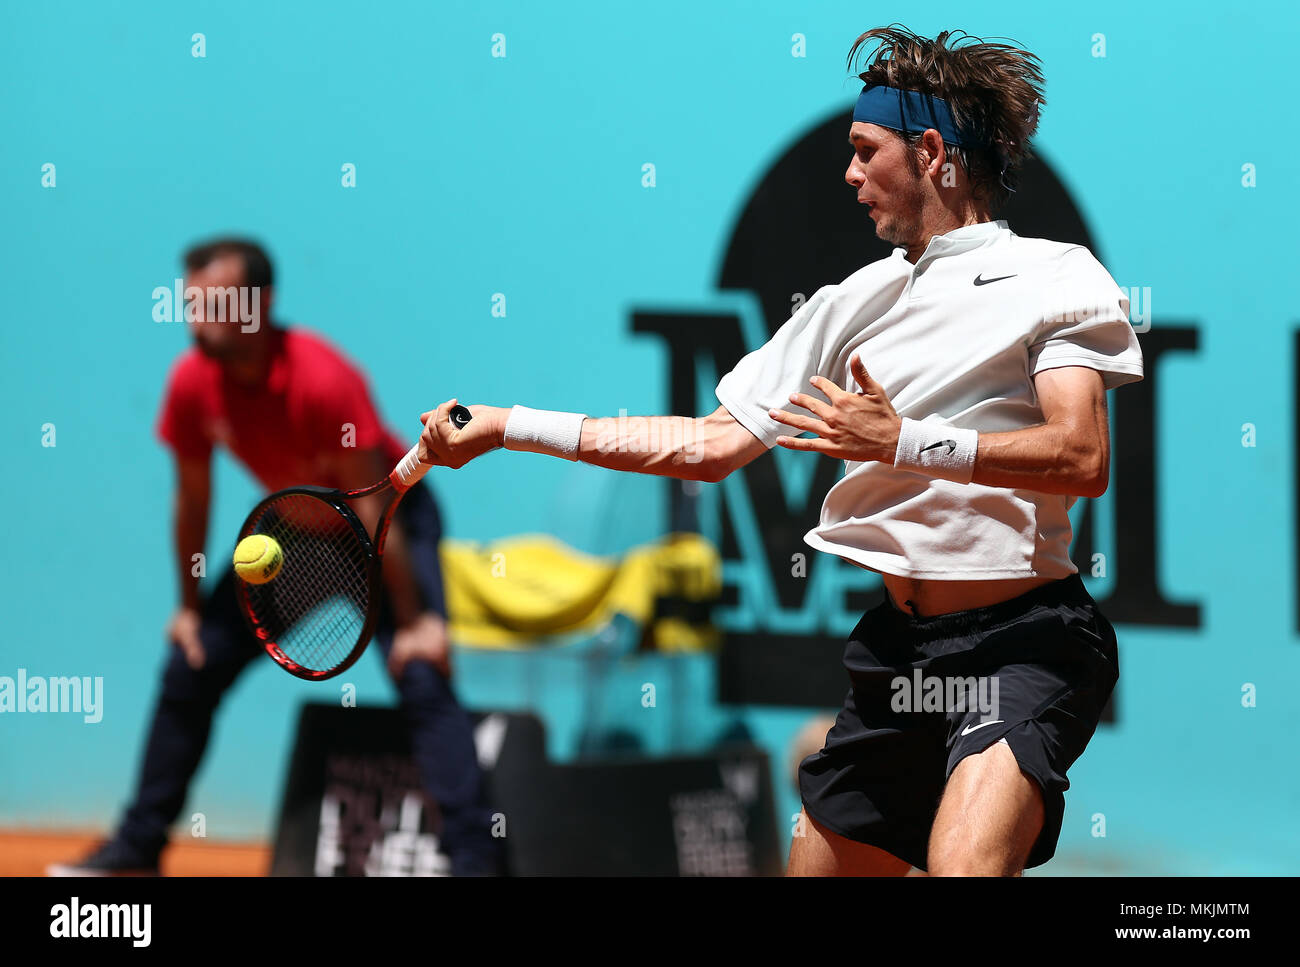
(258, 559)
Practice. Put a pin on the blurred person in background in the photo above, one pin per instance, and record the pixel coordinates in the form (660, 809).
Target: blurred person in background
(293, 410)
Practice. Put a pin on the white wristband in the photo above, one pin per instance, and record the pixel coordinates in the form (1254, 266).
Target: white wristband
(937, 450)
(544, 431)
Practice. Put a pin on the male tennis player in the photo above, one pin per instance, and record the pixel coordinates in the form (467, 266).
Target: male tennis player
(981, 362)
(293, 410)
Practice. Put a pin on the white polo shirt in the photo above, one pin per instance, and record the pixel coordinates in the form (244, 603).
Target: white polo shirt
(955, 339)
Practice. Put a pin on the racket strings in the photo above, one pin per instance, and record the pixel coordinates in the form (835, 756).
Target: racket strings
(315, 608)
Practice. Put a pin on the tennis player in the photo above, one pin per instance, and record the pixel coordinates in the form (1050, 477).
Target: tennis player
(962, 380)
(293, 410)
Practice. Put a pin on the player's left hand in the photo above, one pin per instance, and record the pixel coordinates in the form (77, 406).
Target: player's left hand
(424, 639)
(852, 426)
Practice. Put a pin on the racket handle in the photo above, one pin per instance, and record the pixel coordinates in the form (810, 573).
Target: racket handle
(411, 468)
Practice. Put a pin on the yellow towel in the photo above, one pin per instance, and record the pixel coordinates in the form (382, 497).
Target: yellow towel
(513, 592)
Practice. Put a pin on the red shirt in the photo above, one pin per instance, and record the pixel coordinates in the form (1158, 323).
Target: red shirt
(282, 429)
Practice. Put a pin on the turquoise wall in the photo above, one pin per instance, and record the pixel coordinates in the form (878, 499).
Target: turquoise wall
(522, 175)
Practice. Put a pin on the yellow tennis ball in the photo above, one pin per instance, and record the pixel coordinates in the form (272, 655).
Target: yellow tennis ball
(258, 559)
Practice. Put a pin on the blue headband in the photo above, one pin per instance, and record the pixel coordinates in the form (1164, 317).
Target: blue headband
(910, 111)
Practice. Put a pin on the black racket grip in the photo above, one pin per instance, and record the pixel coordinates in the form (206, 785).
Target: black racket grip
(460, 416)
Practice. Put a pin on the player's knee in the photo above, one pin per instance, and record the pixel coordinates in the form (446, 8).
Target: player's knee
(955, 854)
(970, 862)
(967, 868)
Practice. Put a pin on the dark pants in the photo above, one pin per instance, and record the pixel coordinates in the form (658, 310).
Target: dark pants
(441, 736)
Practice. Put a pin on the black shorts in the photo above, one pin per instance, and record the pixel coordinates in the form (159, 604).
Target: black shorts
(1036, 670)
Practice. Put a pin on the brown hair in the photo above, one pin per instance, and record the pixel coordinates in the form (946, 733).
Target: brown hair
(994, 89)
(257, 264)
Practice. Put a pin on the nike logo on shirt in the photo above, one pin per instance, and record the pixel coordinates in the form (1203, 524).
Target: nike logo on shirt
(951, 444)
(979, 281)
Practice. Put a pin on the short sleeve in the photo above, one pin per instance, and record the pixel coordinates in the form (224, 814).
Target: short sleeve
(1086, 323)
(765, 378)
(182, 424)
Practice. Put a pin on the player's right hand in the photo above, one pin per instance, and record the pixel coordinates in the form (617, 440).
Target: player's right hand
(183, 632)
(444, 445)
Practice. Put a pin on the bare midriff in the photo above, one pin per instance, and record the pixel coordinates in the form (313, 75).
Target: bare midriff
(930, 597)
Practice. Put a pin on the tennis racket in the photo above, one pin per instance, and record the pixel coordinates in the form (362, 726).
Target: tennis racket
(317, 615)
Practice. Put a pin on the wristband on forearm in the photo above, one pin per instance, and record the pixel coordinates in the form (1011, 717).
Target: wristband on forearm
(544, 431)
(936, 450)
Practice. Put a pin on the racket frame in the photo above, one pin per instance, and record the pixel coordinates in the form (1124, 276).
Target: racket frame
(373, 552)
(398, 485)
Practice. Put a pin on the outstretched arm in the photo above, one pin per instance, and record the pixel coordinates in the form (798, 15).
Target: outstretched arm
(705, 448)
